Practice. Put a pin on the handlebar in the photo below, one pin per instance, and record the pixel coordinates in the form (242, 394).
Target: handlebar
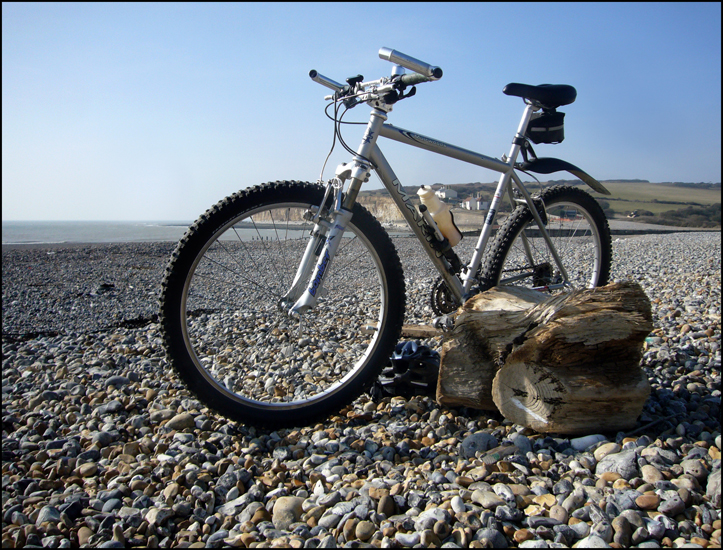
(412, 79)
(423, 72)
(420, 67)
(324, 81)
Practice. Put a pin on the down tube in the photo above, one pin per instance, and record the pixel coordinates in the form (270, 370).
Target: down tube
(414, 219)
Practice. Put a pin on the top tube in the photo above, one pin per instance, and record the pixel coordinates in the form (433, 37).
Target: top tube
(440, 147)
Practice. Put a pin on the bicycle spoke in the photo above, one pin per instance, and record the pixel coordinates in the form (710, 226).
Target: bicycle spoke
(239, 274)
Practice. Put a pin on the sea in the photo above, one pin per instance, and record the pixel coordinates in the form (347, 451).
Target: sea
(91, 232)
(20, 233)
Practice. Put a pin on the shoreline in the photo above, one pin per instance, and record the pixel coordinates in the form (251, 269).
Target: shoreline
(174, 231)
(653, 230)
(75, 245)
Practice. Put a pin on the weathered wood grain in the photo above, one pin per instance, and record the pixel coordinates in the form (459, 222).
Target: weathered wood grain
(566, 364)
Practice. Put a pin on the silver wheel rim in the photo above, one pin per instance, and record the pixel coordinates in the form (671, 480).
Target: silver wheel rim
(578, 242)
(326, 366)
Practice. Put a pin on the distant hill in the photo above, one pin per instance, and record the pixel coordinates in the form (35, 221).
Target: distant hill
(695, 185)
(626, 187)
(672, 203)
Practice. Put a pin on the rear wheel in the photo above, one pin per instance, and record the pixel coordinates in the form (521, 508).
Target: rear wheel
(579, 232)
(227, 331)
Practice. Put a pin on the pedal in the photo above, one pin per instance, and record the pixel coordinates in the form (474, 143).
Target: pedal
(445, 323)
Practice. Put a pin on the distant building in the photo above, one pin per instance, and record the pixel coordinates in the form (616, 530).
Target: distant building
(475, 204)
(446, 193)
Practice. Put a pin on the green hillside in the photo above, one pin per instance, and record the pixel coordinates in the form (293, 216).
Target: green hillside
(670, 203)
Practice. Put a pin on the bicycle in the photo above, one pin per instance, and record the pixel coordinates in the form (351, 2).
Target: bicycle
(283, 302)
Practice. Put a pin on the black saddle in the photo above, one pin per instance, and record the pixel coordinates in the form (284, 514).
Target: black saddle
(550, 96)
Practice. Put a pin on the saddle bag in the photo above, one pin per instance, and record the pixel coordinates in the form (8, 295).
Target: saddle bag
(546, 127)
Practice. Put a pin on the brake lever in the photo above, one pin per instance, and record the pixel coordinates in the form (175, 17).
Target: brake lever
(348, 102)
(400, 87)
(398, 95)
(410, 93)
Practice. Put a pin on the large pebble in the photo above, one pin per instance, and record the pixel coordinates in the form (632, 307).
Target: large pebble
(651, 474)
(477, 442)
(287, 510)
(407, 540)
(365, 530)
(487, 499)
(158, 516)
(592, 541)
(623, 463)
(605, 449)
(713, 489)
(48, 514)
(181, 422)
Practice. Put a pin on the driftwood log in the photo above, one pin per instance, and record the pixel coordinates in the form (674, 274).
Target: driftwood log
(564, 364)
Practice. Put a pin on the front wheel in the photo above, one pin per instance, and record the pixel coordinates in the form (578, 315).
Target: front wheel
(226, 328)
(579, 232)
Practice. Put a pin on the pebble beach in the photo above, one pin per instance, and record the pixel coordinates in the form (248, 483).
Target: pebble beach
(103, 446)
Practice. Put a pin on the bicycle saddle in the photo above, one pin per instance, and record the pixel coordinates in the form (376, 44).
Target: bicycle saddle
(549, 96)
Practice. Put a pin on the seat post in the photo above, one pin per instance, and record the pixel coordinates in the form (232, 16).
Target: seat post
(519, 138)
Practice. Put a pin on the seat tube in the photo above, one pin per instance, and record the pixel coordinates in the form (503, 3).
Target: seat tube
(502, 186)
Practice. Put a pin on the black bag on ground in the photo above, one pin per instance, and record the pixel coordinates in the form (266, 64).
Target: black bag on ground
(412, 370)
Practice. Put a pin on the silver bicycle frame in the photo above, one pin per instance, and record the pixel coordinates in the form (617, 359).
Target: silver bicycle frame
(368, 149)
(506, 168)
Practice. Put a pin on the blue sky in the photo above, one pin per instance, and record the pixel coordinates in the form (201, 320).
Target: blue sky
(157, 111)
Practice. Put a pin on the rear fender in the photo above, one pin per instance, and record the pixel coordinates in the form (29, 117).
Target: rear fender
(547, 165)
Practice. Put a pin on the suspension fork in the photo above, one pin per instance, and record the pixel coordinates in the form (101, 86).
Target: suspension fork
(357, 173)
(323, 243)
(303, 272)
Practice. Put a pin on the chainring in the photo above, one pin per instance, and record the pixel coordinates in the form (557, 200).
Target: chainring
(442, 300)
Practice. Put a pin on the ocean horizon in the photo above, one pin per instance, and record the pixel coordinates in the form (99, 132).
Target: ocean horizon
(47, 232)
(44, 232)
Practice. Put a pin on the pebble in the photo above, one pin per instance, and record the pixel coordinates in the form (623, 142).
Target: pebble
(287, 510)
(103, 446)
(477, 442)
(651, 474)
(181, 422)
(407, 540)
(647, 502)
(623, 463)
(605, 449)
(713, 489)
(487, 499)
(364, 530)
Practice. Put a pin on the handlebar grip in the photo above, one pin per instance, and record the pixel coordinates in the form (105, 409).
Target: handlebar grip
(412, 79)
(324, 81)
(425, 69)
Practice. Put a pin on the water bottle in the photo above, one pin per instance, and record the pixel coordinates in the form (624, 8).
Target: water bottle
(440, 214)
